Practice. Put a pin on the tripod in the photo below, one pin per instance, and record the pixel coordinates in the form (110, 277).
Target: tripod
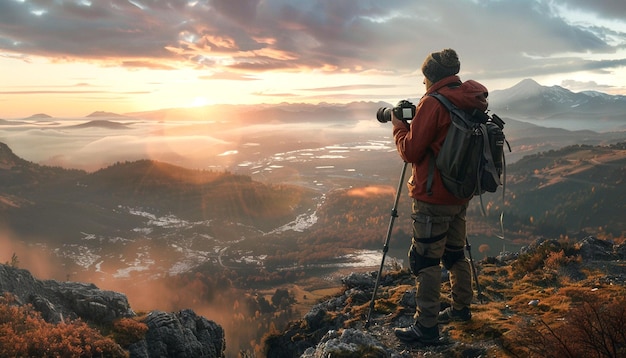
(394, 215)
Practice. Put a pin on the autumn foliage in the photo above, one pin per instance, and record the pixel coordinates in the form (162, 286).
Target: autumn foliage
(593, 328)
(24, 333)
(127, 331)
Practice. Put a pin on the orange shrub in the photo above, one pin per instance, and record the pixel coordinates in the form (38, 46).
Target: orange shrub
(591, 329)
(23, 333)
(127, 331)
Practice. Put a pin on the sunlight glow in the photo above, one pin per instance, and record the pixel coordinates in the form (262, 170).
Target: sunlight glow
(199, 102)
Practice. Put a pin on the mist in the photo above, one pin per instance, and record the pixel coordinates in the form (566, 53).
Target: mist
(228, 306)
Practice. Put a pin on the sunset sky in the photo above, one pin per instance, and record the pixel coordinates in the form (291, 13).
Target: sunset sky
(68, 58)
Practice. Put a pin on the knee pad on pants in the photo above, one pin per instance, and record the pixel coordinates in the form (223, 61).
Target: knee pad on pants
(450, 257)
(418, 262)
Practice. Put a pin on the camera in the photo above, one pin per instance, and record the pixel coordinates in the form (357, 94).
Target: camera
(404, 111)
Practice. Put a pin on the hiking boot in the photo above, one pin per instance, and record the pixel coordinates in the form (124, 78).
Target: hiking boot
(451, 315)
(416, 333)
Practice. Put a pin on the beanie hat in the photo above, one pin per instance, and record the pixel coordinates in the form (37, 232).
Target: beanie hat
(439, 65)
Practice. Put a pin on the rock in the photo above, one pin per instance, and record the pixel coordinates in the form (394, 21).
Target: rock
(61, 300)
(336, 327)
(592, 248)
(360, 280)
(537, 244)
(181, 334)
(620, 251)
(315, 317)
(348, 343)
(409, 299)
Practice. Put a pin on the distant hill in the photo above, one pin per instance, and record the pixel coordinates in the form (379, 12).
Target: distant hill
(573, 189)
(39, 116)
(577, 190)
(11, 122)
(526, 99)
(264, 113)
(19, 174)
(90, 202)
(101, 123)
(100, 114)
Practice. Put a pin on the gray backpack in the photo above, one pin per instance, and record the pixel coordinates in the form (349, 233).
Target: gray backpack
(471, 160)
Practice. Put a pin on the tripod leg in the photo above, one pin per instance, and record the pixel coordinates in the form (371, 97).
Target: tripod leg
(468, 247)
(394, 215)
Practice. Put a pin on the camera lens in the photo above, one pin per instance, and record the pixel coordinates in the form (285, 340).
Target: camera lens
(383, 115)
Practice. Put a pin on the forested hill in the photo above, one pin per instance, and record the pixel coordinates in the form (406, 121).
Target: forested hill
(575, 191)
(576, 188)
(36, 199)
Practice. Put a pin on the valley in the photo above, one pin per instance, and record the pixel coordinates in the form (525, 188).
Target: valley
(203, 213)
(326, 151)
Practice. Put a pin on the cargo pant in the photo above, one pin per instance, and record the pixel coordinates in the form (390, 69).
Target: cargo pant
(439, 238)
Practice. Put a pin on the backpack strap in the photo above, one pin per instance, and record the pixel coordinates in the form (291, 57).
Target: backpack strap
(490, 167)
(431, 164)
(431, 174)
(446, 102)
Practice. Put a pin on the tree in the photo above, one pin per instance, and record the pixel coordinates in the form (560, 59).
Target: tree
(282, 298)
(484, 249)
(14, 261)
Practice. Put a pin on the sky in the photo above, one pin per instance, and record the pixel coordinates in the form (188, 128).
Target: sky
(69, 58)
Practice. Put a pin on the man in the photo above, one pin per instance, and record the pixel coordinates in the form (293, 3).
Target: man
(439, 226)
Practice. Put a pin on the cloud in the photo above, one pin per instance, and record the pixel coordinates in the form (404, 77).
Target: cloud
(611, 9)
(278, 95)
(348, 87)
(228, 76)
(584, 85)
(503, 37)
(61, 91)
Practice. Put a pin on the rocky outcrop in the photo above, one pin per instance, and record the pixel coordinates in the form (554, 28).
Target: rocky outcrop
(592, 248)
(336, 326)
(181, 334)
(350, 342)
(58, 301)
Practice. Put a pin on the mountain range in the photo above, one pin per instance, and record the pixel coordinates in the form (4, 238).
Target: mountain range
(528, 100)
(538, 118)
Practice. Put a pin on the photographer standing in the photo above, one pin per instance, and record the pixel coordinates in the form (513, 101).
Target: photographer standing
(439, 227)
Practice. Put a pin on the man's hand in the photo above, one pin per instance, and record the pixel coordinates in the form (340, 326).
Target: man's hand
(397, 122)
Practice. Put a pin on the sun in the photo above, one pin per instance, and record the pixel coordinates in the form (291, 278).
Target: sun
(199, 102)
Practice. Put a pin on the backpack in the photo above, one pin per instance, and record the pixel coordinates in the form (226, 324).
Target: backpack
(471, 160)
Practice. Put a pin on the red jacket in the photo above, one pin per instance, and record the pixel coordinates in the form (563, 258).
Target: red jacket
(427, 132)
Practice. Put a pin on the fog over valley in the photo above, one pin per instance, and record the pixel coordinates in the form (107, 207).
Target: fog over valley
(203, 206)
(321, 147)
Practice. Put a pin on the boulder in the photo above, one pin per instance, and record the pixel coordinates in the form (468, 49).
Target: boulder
(62, 300)
(592, 248)
(180, 334)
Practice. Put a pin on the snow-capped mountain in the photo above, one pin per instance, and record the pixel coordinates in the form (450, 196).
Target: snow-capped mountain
(528, 99)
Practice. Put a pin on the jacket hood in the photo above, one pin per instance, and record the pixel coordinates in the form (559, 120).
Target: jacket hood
(474, 94)
(466, 95)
